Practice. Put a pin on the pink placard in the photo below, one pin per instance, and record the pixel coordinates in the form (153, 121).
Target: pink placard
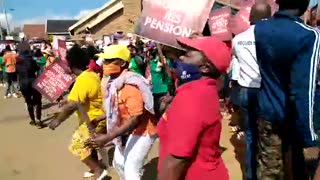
(54, 81)
(62, 49)
(166, 20)
(219, 23)
(240, 22)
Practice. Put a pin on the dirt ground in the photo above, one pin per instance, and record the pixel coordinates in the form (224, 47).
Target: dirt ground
(27, 153)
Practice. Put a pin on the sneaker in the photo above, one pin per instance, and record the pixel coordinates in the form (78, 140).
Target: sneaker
(15, 95)
(8, 96)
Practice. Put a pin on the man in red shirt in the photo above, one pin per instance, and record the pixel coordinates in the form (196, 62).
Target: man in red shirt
(190, 129)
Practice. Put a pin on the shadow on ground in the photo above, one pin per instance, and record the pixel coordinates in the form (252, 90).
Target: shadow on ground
(151, 169)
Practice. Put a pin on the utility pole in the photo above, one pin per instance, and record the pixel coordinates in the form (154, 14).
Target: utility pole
(6, 16)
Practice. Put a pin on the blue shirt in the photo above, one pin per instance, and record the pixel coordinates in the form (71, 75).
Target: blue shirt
(288, 54)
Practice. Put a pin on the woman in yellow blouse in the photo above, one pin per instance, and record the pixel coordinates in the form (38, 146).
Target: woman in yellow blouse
(86, 94)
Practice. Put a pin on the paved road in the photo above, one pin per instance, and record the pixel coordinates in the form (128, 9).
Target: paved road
(27, 153)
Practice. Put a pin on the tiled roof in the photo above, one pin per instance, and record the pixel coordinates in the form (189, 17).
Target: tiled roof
(32, 31)
(59, 26)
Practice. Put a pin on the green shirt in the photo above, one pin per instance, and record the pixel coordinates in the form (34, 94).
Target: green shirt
(42, 61)
(2, 66)
(135, 67)
(160, 78)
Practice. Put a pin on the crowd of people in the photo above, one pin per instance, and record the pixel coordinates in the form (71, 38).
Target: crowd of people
(128, 96)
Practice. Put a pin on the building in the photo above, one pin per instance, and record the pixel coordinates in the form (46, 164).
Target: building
(34, 31)
(114, 16)
(58, 27)
(235, 5)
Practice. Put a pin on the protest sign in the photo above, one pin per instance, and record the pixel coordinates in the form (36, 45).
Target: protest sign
(125, 42)
(107, 40)
(62, 49)
(54, 81)
(55, 45)
(236, 3)
(219, 21)
(240, 22)
(166, 20)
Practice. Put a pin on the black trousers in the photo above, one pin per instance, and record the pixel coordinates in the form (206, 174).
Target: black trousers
(33, 99)
(12, 82)
(157, 104)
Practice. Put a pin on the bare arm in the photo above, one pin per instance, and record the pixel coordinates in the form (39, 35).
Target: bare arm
(68, 109)
(127, 127)
(173, 168)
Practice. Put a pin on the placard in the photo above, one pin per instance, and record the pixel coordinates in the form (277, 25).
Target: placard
(166, 20)
(62, 49)
(219, 21)
(125, 42)
(240, 22)
(54, 81)
(107, 40)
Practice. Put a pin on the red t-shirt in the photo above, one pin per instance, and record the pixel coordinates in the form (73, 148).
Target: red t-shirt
(191, 128)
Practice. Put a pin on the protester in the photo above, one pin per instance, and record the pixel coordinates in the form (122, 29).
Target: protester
(161, 81)
(26, 69)
(232, 103)
(86, 92)
(93, 66)
(49, 56)
(2, 70)
(40, 60)
(249, 83)
(288, 55)
(137, 64)
(130, 114)
(190, 130)
(10, 60)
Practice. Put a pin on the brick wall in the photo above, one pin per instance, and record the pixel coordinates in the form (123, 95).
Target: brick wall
(123, 20)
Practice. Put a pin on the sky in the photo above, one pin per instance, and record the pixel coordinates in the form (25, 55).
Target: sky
(37, 11)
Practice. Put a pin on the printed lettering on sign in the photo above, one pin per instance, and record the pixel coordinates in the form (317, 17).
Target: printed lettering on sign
(166, 20)
(219, 22)
(54, 81)
(62, 49)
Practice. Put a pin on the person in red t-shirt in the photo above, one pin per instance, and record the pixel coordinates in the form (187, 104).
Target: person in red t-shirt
(190, 129)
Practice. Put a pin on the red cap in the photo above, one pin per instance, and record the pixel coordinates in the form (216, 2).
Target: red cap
(215, 50)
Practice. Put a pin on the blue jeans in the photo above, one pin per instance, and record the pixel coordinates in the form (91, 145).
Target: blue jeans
(248, 98)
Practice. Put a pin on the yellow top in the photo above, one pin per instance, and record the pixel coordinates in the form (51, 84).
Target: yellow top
(87, 91)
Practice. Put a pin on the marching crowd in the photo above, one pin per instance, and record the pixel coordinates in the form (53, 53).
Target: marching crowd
(128, 96)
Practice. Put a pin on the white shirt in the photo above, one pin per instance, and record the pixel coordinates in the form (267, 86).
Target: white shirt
(244, 50)
(234, 68)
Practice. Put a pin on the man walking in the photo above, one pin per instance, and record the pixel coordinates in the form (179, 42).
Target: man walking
(249, 80)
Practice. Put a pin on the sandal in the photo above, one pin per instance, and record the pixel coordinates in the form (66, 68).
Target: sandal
(88, 175)
(103, 175)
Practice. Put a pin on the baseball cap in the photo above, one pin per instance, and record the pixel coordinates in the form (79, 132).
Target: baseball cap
(115, 52)
(215, 50)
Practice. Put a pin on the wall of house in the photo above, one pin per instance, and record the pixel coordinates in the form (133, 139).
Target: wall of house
(123, 20)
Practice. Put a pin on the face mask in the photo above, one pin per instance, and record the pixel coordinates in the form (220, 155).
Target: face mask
(187, 72)
(109, 69)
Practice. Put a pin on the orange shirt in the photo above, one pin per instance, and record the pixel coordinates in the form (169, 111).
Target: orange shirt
(131, 104)
(10, 60)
